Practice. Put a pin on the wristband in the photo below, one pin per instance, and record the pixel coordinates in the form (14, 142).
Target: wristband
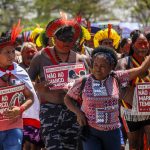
(22, 109)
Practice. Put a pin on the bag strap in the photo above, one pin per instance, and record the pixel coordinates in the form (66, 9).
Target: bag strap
(84, 79)
(128, 63)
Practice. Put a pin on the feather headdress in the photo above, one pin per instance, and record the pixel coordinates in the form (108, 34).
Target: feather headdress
(59, 23)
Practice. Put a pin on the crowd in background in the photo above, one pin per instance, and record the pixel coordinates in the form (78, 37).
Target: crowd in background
(98, 112)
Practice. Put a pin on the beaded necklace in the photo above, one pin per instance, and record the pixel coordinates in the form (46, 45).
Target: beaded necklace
(58, 58)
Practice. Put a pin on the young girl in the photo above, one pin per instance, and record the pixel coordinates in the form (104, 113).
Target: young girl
(16, 94)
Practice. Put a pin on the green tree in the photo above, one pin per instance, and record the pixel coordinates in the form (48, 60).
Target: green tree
(138, 10)
(86, 8)
(11, 11)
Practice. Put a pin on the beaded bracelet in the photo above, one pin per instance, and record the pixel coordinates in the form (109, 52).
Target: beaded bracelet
(22, 109)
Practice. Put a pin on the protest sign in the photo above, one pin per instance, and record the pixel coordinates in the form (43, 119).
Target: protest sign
(63, 76)
(143, 97)
(10, 96)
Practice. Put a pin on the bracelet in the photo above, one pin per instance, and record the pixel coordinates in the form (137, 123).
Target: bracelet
(22, 109)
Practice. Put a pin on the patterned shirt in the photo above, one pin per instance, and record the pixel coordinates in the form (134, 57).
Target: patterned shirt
(100, 100)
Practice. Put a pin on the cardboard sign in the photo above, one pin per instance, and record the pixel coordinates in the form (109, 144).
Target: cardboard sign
(10, 96)
(63, 76)
(143, 97)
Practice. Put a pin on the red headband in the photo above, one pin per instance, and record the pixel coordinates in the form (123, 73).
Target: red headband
(57, 24)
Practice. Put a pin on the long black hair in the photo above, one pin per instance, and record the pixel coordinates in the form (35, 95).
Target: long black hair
(134, 36)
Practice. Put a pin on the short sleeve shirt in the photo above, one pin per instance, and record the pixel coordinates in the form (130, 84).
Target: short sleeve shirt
(100, 100)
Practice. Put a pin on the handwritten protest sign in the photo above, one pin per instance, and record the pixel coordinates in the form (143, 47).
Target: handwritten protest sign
(63, 76)
(10, 96)
(143, 97)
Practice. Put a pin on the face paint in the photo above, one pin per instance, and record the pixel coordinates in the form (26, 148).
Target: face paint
(141, 46)
(63, 47)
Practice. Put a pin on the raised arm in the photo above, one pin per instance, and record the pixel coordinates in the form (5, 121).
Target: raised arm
(134, 72)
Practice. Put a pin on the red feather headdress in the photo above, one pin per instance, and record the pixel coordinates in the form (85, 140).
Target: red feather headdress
(15, 31)
(59, 23)
(109, 30)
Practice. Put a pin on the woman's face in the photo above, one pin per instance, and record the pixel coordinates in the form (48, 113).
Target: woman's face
(27, 54)
(7, 56)
(141, 46)
(101, 67)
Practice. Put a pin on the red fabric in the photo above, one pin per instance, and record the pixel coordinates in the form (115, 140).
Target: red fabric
(22, 109)
(31, 122)
(145, 143)
(10, 68)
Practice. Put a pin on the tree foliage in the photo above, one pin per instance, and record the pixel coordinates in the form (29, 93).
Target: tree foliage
(138, 10)
(34, 12)
(40, 12)
(11, 11)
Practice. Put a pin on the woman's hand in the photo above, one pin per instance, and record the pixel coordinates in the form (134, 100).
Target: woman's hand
(81, 118)
(146, 64)
(13, 112)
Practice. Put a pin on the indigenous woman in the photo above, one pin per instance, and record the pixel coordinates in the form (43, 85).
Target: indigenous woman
(135, 121)
(58, 125)
(110, 38)
(99, 99)
(17, 94)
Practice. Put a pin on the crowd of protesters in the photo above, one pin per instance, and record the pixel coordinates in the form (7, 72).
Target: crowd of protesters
(96, 108)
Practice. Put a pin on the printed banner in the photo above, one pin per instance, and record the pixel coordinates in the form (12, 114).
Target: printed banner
(63, 76)
(10, 96)
(143, 97)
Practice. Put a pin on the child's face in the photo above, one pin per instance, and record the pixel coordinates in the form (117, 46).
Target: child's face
(7, 56)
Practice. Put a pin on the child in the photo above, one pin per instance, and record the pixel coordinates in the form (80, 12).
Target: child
(16, 93)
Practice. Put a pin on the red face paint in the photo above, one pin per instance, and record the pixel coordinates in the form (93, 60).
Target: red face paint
(63, 47)
(141, 46)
